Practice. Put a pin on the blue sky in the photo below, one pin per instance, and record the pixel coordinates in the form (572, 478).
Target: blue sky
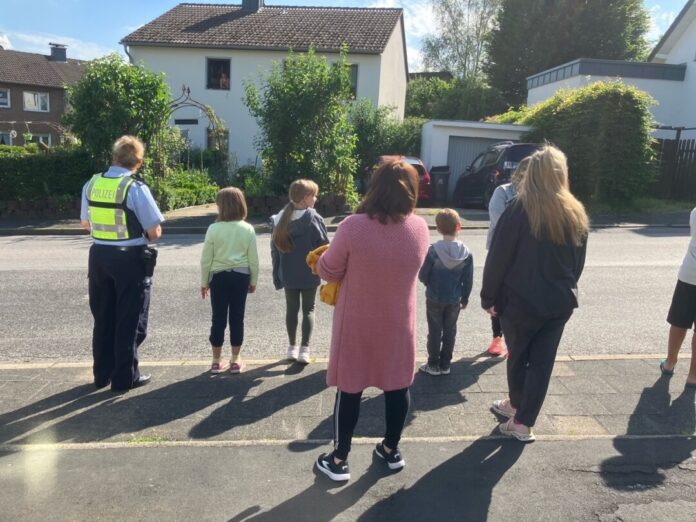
(93, 28)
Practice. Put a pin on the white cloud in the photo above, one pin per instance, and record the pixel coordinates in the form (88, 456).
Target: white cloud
(5, 42)
(660, 20)
(38, 43)
(420, 22)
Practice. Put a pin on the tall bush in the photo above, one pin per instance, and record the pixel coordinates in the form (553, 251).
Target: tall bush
(605, 130)
(459, 99)
(114, 98)
(302, 111)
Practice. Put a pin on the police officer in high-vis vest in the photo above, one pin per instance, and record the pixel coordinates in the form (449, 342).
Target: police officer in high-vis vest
(122, 217)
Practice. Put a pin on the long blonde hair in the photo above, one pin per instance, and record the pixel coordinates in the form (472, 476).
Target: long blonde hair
(543, 190)
(299, 189)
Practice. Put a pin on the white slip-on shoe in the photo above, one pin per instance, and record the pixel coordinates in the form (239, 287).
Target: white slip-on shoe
(303, 357)
(293, 352)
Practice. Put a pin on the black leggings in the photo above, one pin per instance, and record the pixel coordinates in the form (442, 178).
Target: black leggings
(347, 411)
(496, 327)
(228, 293)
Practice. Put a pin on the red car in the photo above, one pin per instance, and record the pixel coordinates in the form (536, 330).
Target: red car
(425, 185)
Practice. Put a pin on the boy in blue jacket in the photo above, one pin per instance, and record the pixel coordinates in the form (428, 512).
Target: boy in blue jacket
(448, 273)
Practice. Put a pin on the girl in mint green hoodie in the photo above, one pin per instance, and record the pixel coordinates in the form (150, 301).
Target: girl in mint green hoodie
(229, 271)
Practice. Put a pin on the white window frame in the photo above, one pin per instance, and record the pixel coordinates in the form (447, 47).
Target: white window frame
(48, 101)
(44, 137)
(9, 98)
(9, 135)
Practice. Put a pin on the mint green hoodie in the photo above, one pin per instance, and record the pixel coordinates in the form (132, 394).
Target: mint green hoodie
(229, 245)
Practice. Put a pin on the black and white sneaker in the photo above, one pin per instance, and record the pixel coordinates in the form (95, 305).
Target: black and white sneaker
(337, 472)
(393, 459)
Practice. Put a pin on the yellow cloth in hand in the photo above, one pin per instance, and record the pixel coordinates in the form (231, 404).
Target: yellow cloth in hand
(328, 293)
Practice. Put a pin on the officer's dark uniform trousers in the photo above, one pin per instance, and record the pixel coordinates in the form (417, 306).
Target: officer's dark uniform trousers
(119, 297)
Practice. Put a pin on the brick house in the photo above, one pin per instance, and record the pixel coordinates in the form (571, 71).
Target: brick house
(33, 94)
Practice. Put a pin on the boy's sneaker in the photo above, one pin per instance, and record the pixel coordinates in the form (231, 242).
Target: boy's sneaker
(430, 370)
(337, 472)
(394, 459)
(445, 371)
(303, 356)
(504, 408)
(217, 367)
(518, 431)
(497, 347)
(293, 352)
(236, 367)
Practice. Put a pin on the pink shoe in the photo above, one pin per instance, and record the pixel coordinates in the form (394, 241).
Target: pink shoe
(216, 368)
(236, 367)
(497, 347)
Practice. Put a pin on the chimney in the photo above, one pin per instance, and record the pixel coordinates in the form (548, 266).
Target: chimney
(252, 5)
(59, 52)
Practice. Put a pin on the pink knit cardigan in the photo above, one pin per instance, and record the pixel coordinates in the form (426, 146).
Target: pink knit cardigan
(373, 342)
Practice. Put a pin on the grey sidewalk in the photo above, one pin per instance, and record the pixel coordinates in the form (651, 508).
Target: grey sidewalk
(615, 442)
(275, 401)
(195, 220)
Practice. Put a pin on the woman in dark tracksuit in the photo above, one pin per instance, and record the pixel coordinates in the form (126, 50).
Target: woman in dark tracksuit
(530, 281)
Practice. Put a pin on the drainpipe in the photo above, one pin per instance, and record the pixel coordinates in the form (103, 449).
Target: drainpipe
(130, 58)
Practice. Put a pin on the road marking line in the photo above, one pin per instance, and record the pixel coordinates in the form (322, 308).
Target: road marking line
(319, 360)
(312, 442)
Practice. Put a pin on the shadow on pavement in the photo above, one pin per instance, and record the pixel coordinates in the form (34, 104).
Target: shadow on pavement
(317, 502)
(88, 416)
(428, 393)
(642, 461)
(459, 489)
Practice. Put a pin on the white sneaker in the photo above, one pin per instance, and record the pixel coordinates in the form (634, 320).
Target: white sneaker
(303, 357)
(293, 351)
(503, 407)
(519, 431)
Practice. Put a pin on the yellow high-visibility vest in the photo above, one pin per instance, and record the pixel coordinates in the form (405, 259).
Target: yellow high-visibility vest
(109, 217)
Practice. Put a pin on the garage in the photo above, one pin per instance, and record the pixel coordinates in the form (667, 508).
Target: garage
(457, 143)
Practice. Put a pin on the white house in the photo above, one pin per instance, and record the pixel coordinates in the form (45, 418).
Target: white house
(214, 49)
(669, 76)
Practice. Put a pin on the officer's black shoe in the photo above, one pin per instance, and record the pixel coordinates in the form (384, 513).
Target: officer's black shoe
(142, 380)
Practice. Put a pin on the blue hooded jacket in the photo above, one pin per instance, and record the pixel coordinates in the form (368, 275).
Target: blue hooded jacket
(448, 273)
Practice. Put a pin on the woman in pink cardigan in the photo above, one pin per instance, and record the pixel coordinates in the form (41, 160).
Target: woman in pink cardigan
(376, 254)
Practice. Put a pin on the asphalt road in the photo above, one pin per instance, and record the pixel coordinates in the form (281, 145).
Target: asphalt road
(44, 314)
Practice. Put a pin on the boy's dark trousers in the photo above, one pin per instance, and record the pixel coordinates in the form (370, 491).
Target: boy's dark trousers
(442, 330)
(532, 345)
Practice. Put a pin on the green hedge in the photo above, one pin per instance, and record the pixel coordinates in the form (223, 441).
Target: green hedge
(28, 173)
(183, 188)
(605, 130)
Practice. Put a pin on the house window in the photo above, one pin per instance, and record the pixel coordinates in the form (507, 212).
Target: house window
(41, 138)
(5, 98)
(354, 80)
(36, 101)
(218, 74)
(5, 138)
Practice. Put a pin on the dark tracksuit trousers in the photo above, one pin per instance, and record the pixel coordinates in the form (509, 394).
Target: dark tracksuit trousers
(119, 298)
(532, 345)
(442, 331)
(347, 411)
(228, 294)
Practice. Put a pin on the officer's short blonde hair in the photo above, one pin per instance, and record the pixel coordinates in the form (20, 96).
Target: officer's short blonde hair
(447, 221)
(128, 152)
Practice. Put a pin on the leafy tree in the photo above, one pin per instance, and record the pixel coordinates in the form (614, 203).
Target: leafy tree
(534, 35)
(459, 46)
(302, 110)
(460, 99)
(115, 98)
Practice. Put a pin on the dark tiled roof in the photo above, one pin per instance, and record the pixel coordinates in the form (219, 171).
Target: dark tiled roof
(38, 69)
(278, 28)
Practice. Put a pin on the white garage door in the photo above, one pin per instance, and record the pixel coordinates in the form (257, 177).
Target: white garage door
(461, 152)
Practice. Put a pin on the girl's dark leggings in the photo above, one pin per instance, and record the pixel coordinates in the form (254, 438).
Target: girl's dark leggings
(293, 297)
(347, 411)
(228, 294)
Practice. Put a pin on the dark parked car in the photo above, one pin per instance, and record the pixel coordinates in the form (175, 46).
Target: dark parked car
(425, 181)
(491, 168)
